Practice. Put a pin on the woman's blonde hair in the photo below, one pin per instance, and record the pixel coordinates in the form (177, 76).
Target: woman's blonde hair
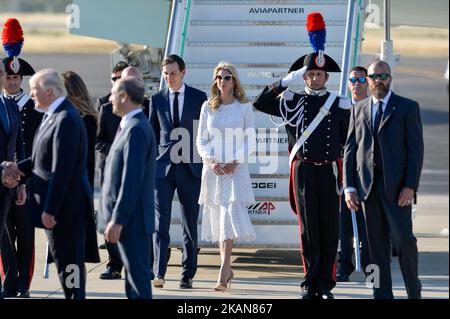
(238, 90)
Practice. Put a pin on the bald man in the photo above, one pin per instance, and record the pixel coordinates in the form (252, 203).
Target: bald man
(107, 129)
(382, 165)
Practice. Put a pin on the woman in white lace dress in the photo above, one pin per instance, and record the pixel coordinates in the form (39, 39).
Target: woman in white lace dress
(226, 142)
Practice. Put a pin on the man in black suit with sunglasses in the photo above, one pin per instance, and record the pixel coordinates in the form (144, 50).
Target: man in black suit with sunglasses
(358, 87)
(382, 165)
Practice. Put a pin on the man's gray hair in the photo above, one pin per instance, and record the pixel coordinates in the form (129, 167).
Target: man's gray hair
(49, 78)
(133, 88)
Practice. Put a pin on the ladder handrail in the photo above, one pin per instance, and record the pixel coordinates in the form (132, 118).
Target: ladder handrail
(347, 47)
(185, 26)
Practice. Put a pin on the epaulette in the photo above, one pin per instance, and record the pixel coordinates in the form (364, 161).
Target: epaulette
(344, 103)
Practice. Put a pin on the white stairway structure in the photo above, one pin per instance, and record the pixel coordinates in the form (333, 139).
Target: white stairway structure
(262, 38)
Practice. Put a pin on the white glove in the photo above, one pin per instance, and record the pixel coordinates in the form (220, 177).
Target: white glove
(293, 76)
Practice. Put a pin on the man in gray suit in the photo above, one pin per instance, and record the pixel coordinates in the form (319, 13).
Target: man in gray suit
(382, 166)
(127, 212)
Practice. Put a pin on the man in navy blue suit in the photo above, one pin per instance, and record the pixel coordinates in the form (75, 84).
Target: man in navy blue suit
(60, 193)
(11, 145)
(176, 107)
(127, 209)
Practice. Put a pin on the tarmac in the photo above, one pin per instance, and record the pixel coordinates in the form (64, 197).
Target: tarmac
(270, 273)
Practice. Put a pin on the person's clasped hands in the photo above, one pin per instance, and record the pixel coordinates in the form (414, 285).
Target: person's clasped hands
(10, 174)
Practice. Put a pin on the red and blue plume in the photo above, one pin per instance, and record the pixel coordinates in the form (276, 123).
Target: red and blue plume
(12, 37)
(317, 31)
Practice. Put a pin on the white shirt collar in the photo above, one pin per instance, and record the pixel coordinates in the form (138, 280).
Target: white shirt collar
(127, 117)
(181, 90)
(385, 99)
(54, 106)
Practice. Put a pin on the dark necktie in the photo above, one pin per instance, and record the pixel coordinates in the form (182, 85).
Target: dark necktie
(4, 116)
(378, 117)
(377, 149)
(176, 116)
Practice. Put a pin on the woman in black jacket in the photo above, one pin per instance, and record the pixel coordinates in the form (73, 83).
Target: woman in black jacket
(78, 95)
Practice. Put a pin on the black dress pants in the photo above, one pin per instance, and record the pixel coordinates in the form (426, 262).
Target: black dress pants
(389, 223)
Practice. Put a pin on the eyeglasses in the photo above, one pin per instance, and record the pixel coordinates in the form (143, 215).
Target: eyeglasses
(225, 78)
(360, 79)
(382, 76)
(115, 78)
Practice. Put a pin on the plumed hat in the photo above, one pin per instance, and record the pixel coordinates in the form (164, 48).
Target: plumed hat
(12, 39)
(317, 60)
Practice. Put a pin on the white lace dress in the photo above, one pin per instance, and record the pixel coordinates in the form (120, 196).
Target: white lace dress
(223, 136)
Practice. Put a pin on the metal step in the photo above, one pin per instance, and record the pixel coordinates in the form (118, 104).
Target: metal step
(268, 2)
(247, 44)
(256, 23)
(177, 221)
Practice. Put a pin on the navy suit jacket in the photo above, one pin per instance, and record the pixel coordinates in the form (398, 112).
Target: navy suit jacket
(162, 124)
(59, 184)
(11, 145)
(129, 180)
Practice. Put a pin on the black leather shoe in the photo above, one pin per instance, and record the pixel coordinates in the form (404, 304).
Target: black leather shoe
(110, 275)
(23, 294)
(7, 294)
(186, 283)
(102, 246)
(327, 295)
(342, 277)
(308, 295)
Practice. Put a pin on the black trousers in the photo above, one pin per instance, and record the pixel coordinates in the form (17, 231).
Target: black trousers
(345, 264)
(389, 223)
(317, 200)
(68, 249)
(5, 202)
(136, 258)
(115, 262)
(17, 250)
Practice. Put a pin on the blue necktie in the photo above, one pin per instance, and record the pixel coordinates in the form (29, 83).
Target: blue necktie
(4, 116)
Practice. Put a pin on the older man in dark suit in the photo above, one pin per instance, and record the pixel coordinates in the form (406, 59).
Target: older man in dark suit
(11, 145)
(107, 129)
(127, 212)
(60, 193)
(382, 166)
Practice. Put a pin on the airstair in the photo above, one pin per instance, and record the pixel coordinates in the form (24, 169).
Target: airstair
(262, 38)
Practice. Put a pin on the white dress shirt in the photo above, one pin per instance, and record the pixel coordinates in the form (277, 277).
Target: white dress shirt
(180, 101)
(127, 117)
(375, 103)
(51, 109)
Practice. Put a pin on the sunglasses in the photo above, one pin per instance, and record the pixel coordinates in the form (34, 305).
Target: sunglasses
(225, 78)
(115, 78)
(382, 76)
(361, 79)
